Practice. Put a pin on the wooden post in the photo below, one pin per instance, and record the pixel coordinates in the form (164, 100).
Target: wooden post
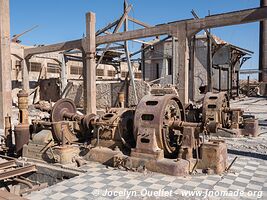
(130, 69)
(192, 69)
(5, 63)
(173, 60)
(25, 75)
(248, 85)
(209, 64)
(182, 68)
(89, 79)
(63, 73)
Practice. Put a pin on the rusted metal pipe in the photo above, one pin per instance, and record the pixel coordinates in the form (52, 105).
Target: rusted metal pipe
(29, 184)
(229, 167)
(98, 136)
(179, 124)
(227, 130)
(47, 146)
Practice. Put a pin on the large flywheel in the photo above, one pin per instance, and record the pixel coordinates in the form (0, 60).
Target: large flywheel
(214, 107)
(60, 127)
(157, 112)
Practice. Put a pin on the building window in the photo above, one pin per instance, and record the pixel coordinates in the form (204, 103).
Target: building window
(53, 68)
(100, 72)
(138, 75)
(140, 66)
(35, 67)
(157, 71)
(17, 65)
(111, 73)
(124, 74)
(169, 66)
(76, 70)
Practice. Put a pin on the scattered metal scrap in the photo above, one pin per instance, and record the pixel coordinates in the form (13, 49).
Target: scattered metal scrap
(11, 173)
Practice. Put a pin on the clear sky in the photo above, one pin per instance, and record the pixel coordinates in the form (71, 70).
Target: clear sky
(61, 20)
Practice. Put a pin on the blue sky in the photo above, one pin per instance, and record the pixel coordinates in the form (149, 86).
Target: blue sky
(61, 20)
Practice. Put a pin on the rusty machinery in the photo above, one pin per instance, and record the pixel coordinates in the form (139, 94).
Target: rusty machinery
(154, 135)
(22, 135)
(174, 145)
(217, 116)
(21, 130)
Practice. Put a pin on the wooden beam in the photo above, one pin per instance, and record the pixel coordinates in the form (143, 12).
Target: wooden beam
(139, 22)
(109, 26)
(193, 25)
(143, 42)
(227, 19)
(74, 44)
(135, 34)
(206, 30)
(117, 28)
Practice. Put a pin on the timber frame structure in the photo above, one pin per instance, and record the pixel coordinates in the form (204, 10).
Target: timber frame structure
(183, 30)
